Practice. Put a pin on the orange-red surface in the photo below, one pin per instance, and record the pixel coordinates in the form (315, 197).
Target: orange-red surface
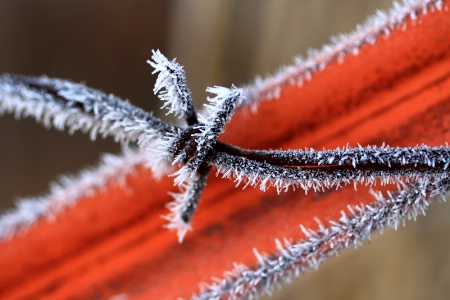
(395, 91)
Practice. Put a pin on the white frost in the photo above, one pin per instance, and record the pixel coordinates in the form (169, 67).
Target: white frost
(68, 190)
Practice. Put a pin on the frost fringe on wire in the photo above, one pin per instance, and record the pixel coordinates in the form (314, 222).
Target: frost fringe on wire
(195, 147)
(352, 229)
(341, 46)
(68, 189)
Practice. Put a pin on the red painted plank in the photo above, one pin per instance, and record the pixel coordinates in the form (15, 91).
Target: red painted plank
(395, 91)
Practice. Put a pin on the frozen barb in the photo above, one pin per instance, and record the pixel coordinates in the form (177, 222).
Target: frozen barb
(171, 87)
(192, 145)
(220, 110)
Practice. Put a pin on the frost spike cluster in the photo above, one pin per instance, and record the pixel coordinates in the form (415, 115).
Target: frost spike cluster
(204, 135)
(220, 110)
(171, 87)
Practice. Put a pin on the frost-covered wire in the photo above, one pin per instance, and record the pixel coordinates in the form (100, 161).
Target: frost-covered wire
(355, 156)
(352, 229)
(263, 175)
(59, 103)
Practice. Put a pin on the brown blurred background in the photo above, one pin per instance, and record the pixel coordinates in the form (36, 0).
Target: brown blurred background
(106, 43)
